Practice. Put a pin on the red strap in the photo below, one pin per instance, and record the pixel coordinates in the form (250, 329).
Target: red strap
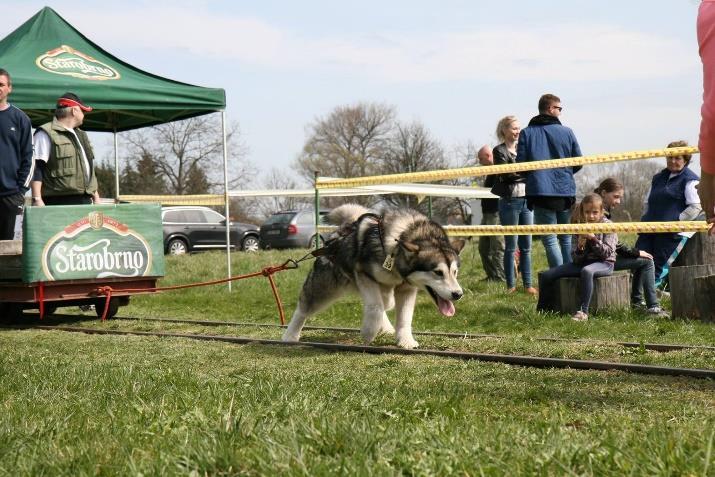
(106, 290)
(41, 293)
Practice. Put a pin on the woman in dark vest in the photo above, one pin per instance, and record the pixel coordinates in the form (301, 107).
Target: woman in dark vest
(673, 196)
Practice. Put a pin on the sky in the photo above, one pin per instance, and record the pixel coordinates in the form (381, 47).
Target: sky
(627, 71)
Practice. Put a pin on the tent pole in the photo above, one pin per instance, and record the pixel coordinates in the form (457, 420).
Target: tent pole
(116, 167)
(226, 201)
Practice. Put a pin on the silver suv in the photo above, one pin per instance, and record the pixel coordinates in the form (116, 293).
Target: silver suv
(192, 228)
(291, 229)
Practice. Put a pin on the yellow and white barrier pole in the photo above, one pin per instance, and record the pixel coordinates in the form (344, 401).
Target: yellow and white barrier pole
(432, 176)
(624, 227)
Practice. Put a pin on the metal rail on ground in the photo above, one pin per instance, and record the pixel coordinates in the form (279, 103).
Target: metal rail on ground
(529, 361)
(660, 347)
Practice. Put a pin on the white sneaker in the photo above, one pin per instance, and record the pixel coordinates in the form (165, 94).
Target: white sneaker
(657, 311)
(579, 316)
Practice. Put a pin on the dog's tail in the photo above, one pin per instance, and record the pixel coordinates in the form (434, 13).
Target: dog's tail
(346, 214)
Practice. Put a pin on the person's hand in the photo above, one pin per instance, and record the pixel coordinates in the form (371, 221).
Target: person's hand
(590, 237)
(38, 202)
(706, 191)
(581, 242)
(95, 197)
(644, 254)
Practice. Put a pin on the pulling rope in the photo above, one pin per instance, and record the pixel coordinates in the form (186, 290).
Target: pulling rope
(268, 272)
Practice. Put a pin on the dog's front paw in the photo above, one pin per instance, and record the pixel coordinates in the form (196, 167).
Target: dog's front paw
(290, 337)
(407, 342)
(386, 327)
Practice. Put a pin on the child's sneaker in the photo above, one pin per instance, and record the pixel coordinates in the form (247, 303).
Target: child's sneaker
(657, 311)
(579, 316)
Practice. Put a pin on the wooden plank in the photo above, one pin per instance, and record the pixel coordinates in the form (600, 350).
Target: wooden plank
(10, 247)
(10, 259)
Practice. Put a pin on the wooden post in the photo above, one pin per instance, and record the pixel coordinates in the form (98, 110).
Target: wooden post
(683, 297)
(698, 250)
(612, 291)
(705, 297)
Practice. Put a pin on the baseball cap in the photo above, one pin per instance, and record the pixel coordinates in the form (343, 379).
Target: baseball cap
(70, 99)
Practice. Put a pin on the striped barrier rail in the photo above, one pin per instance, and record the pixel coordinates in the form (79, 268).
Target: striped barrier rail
(609, 227)
(475, 171)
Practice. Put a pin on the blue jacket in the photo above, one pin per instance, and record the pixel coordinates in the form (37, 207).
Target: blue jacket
(544, 142)
(15, 151)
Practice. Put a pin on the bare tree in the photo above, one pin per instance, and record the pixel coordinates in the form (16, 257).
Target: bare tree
(636, 177)
(189, 154)
(279, 179)
(458, 210)
(349, 142)
(411, 149)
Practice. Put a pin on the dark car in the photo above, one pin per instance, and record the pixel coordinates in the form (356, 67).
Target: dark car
(193, 228)
(291, 229)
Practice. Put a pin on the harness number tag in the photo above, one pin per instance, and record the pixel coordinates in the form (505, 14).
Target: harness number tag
(387, 264)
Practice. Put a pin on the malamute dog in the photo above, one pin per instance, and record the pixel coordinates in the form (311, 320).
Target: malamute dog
(386, 259)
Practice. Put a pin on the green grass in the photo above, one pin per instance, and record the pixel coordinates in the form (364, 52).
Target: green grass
(73, 404)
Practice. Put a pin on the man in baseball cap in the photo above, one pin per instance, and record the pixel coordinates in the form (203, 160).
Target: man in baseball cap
(64, 160)
(71, 99)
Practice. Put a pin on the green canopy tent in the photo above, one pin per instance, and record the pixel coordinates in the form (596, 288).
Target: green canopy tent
(46, 57)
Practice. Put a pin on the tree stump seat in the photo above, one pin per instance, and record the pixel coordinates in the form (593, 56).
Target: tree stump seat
(691, 279)
(613, 291)
(705, 293)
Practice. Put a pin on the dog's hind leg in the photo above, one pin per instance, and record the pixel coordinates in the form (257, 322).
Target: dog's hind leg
(405, 297)
(373, 311)
(322, 287)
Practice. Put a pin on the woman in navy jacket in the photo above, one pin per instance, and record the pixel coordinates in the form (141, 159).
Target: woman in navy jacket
(673, 196)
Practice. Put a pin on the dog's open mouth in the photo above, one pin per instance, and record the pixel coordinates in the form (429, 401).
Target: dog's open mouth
(445, 307)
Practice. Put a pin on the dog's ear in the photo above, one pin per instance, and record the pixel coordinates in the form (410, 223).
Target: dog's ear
(410, 247)
(457, 244)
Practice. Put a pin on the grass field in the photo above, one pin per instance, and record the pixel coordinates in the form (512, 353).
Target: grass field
(74, 404)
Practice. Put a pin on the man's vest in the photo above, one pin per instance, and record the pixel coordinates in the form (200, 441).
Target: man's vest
(65, 173)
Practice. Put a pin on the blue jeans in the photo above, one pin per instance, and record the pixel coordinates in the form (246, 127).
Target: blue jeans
(661, 246)
(643, 279)
(558, 251)
(587, 273)
(513, 211)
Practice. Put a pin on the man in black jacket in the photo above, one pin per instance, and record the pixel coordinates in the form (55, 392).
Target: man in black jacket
(15, 159)
(491, 247)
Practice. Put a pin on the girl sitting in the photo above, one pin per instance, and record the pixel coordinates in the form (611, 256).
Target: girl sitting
(593, 256)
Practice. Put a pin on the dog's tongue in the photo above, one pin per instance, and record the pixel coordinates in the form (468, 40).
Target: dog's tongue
(446, 307)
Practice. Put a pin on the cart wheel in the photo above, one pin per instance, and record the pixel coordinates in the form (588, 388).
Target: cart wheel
(50, 310)
(11, 312)
(111, 312)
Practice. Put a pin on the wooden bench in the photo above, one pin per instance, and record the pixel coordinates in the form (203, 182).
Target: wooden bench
(613, 291)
